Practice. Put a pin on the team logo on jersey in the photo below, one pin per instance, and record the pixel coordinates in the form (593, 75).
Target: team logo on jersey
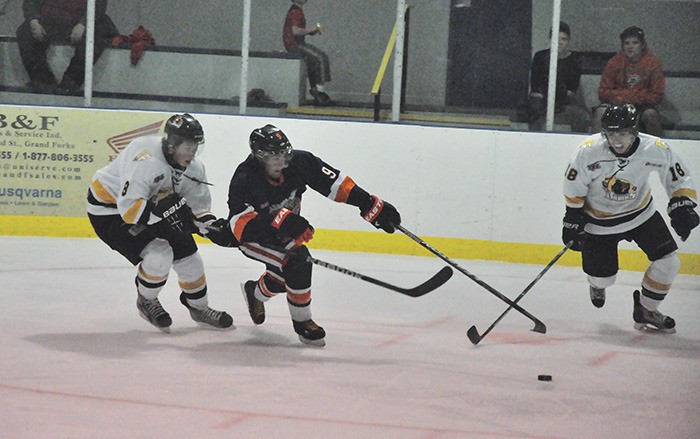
(632, 80)
(619, 189)
(661, 143)
(143, 155)
(593, 166)
(596, 165)
(121, 141)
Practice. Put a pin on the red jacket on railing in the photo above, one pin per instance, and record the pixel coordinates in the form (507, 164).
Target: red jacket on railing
(139, 39)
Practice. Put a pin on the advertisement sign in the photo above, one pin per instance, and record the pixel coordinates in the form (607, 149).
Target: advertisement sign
(48, 155)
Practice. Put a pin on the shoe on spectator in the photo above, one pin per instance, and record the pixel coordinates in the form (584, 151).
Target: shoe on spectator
(324, 100)
(315, 94)
(69, 84)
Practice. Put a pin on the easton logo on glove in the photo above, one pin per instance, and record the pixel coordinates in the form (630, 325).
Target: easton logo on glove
(279, 218)
(375, 210)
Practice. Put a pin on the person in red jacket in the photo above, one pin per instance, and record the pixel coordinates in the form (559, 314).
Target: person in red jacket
(633, 76)
(317, 63)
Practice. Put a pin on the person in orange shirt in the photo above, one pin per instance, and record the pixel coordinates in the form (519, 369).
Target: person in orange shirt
(633, 76)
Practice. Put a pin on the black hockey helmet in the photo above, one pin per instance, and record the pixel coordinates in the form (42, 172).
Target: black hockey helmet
(181, 127)
(269, 140)
(619, 117)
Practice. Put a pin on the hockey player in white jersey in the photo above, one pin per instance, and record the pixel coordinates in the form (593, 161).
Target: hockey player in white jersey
(145, 204)
(608, 199)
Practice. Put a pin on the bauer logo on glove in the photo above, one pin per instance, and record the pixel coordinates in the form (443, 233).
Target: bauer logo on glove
(174, 208)
(683, 216)
(172, 214)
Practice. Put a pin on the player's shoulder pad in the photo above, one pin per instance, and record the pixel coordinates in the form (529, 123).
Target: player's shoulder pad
(146, 149)
(588, 142)
(649, 142)
(661, 144)
(303, 160)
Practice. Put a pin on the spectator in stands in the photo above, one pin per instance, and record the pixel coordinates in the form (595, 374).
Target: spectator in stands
(54, 22)
(568, 108)
(633, 76)
(317, 64)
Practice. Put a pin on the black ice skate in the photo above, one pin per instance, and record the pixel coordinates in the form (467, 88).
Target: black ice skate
(597, 296)
(209, 318)
(256, 308)
(310, 333)
(651, 320)
(152, 311)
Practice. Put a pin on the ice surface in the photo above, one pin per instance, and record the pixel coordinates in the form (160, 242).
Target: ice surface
(77, 361)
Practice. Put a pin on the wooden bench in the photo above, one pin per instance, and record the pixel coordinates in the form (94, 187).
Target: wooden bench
(172, 72)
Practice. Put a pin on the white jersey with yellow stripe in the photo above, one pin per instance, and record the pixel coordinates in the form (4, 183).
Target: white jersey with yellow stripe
(137, 175)
(614, 190)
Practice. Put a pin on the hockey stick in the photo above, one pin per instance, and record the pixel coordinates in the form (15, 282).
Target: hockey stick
(539, 326)
(473, 334)
(431, 284)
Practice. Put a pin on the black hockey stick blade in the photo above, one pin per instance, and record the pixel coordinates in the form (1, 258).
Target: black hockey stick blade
(473, 334)
(539, 326)
(426, 287)
(475, 338)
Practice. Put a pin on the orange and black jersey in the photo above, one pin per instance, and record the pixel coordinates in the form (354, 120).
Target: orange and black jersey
(254, 199)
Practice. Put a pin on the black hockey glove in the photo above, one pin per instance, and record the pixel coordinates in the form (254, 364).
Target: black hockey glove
(380, 214)
(176, 216)
(683, 216)
(292, 227)
(219, 232)
(574, 223)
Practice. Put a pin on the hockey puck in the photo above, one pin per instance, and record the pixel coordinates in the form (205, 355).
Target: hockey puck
(544, 377)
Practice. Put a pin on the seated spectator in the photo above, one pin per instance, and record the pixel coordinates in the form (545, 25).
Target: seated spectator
(633, 76)
(317, 63)
(60, 21)
(567, 108)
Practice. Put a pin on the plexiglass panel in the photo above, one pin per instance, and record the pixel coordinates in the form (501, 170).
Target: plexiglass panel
(465, 62)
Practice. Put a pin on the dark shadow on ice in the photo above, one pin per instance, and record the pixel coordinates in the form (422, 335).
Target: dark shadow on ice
(259, 347)
(675, 344)
(104, 344)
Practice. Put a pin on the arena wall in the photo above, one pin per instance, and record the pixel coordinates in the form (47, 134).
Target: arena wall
(473, 194)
